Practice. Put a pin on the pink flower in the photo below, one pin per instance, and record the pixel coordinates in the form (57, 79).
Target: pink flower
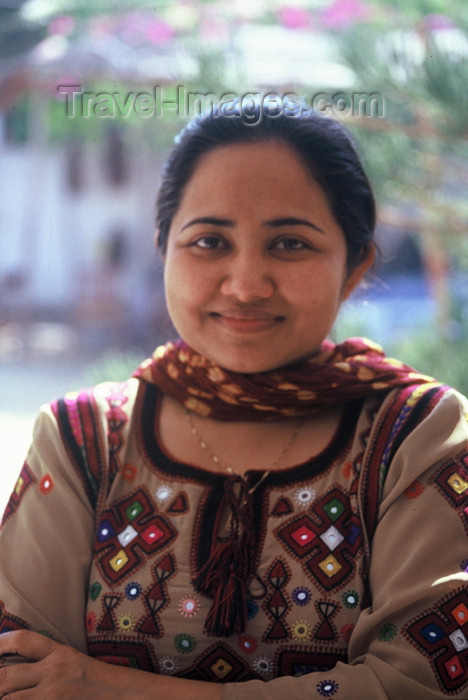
(435, 22)
(63, 25)
(159, 32)
(294, 17)
(344, 13)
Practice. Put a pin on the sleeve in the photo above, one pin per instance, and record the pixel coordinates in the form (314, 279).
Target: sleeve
(412, 641)
(45, 542)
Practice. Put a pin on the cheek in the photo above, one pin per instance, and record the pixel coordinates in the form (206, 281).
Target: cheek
(174, 288)
(186, 288)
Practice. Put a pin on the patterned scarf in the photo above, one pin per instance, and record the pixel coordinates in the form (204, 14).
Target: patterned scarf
(337, 374)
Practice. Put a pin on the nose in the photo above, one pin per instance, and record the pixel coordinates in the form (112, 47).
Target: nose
(248, 278)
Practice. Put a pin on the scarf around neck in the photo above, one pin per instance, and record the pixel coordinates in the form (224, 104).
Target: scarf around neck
(338, 373)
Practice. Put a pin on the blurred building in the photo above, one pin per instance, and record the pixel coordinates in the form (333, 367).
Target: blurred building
(77, 232)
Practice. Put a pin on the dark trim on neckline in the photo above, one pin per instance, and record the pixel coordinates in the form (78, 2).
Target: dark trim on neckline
(148, 402)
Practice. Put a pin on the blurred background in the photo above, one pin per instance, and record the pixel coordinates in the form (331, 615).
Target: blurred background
(82, 144)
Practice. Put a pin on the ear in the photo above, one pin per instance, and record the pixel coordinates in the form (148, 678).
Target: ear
(357, 273)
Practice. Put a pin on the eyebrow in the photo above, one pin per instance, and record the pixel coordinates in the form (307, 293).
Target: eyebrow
(272, 223)
(209, 220)
(292, 221)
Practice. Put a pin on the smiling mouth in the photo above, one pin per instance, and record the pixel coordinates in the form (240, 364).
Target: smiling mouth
(246, 322)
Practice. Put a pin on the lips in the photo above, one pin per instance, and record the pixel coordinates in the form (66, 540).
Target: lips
(246, 321)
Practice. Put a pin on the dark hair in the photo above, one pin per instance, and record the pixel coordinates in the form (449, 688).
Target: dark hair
(323, 144)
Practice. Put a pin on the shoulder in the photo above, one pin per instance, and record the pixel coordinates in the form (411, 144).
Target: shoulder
(89, 429)
(431, 429)
(433, 409)
(419, 408)
(91, 407)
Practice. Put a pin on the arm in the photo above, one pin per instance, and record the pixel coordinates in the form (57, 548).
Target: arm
(45, 543)
(416, 580)
(60, 672)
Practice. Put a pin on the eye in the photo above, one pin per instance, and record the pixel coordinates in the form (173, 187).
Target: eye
(291, 244)
(210, 243)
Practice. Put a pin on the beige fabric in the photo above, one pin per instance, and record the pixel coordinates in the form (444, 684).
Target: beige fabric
(51, 581)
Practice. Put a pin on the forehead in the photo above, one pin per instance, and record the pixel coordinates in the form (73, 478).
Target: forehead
(254, 176)
(271, 156)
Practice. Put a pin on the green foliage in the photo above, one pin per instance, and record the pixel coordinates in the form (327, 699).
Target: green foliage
(444, 75)
(113, 365)
(437, 355)
(415, 10)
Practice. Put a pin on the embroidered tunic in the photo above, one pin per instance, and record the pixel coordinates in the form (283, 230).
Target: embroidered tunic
(360, 553)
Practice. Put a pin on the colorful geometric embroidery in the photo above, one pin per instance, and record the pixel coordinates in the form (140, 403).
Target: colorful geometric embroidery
(263, 666)
(291, 662)
(179, 505)
(133, 591)
(387, 632)
(78, 418)
(218, 664)
(46, 484)
(452, 482)
(124, 653)
(441, 634)
(156, 597)
(24, 481)
(109, 603)
(301, 630)
(326, 629)
(184, 643)
(327, 688)
(404, 411)
(129, 472)
(127, 532)
(327, 540)
(301, 595)
(282, 507)
(346, 632)
(95, 590)
(163, 493)
(247, 644)
(252, 608)
(168, 665)
(90, 622)
(116, 420)
(304, 496)
(126, 622)
(276, 606)
(8, 622)
(414, 490)
(350, 599)
(189, 606)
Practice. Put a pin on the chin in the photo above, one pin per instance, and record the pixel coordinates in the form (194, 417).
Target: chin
(245, 365)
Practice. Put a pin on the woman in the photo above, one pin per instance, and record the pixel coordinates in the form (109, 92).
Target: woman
(257, 512)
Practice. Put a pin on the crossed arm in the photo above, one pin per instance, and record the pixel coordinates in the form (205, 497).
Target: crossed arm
(53, 671)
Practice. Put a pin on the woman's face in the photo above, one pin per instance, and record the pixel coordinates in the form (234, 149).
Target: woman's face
(255, 267)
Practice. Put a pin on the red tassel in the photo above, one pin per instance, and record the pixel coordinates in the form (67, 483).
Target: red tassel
(213, 572)
(228, 613)
(226, 573)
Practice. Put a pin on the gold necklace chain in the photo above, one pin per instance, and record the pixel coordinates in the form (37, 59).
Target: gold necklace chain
(220, 463)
